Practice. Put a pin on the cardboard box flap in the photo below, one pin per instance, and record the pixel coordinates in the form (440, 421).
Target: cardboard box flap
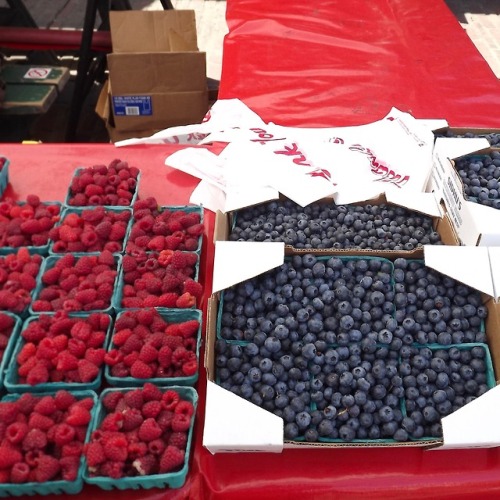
(424, 203)
(486, 222)
(455, 147)
(236, 261)
(494, 254)
(475, 425)
(469, 265)
(227, 414)
(153, 31)
(154, 73)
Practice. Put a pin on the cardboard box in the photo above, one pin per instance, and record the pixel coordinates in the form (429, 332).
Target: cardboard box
(243, 426)
(418, 202)
(157, 75)
(103, 110)
(474, 224)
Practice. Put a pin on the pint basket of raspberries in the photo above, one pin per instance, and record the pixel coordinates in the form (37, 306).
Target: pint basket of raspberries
(158, 228)
(59, 351)
(141, 438)
(94, 229)
(10, 325)
(27, 224)
(43, 439)
(161, 347)
(4, 174)
(76, 282)
(113, 185)
(166, 279)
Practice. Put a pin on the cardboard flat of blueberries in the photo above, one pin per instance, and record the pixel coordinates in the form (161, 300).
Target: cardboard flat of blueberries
(51, 487)
(50, 261)
(171, 316)
(78, 210)
(225, 221)
(171, 479)
(80, 170)
(11, 378)
(491, 326)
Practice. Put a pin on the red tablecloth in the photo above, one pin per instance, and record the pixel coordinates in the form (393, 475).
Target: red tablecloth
(333, 63)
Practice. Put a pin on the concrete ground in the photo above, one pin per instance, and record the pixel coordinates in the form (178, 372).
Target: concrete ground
(480, 19)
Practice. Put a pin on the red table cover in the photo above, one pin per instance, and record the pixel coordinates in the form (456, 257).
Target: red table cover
(335, 63)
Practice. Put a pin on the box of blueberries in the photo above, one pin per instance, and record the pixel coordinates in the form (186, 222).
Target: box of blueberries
(466, 177)
(349, 350)
(382, 226)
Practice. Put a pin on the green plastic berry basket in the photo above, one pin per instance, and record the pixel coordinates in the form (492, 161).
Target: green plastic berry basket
(79, 172)
(171, 316)
(320, 258)
(11, 378)
(7, 354)
(42, 249)
(490, 376)
(51, 261)
(118, 294)
(72, 210)
(4, 174)
(56, 487)
(171, 479)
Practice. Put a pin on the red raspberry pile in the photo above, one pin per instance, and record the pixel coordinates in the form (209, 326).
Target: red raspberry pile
(59, 348)
(92, 230)
(112, 185)
(42, 437)
(164, 279)
(144, 346)
(154, 229)
(18, 272)
(144, 432)
(7, 324)
(26, 224)
(84, 283)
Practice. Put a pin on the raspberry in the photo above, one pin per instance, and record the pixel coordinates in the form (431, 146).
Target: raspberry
(190, 244)
(94, 453)
(68, 234)
(63, 399)
(9, 456)
(179, 260)
(141, 370)
(113, 357)
(168, 300)
(189, 328)
(132, 419)
(171, 459)
(95, 356)
(193, 287)
(20, 473)
(148, 354)
(149, 430)
(106, 258)
(172, 242)
(164, 420)
(111, 399)
(103, 229)
(150, 392)
(145, 465)
(78, 415)
(112, 422)
(132, 344)
(190, 368)
(35, 439)
(170, 399)
(186, 300)
(64, 434)
(46, 349)
(116, 449)
(87, 370)
(25, 404)
(46, 406)
(151, 409)
(47, 468)
(128, 264)
(172, 341)
(178, 439)
(39, 374)
(134, 398)
(136, 449)
(77, 347)
(66, 361)
(196, 230)
(157, 446)
(73, 449)
(165, 356)
(113, 470)
(16, 432)
(180, 422)
(131, 358)
(69, 467)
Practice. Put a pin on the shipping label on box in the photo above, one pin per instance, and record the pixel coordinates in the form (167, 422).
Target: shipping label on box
(132, 105)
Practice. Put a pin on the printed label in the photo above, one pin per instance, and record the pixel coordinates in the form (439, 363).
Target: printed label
(132, 105)
(37, 73)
